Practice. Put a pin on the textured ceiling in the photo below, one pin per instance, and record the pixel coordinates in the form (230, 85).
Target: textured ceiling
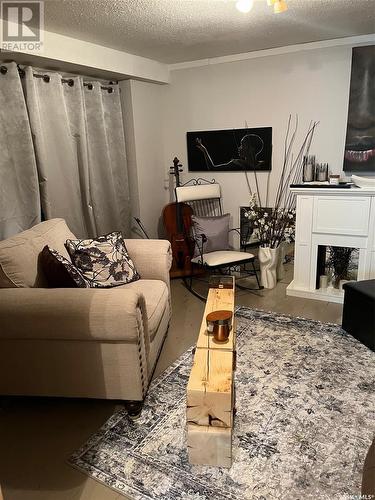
(183, 30)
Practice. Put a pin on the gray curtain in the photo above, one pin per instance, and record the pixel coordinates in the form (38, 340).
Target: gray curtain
(107, 159)
(19, 191)
(80, 150)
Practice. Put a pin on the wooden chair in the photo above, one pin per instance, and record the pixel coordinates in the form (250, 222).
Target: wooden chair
(204, 197)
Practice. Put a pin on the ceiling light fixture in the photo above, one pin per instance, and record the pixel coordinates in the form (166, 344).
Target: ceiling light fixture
(244, 6)
(279, 6)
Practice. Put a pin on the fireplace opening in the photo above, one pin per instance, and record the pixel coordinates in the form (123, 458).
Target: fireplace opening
(335, 266)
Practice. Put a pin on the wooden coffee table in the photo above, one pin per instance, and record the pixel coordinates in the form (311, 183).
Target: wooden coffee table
(210, 391)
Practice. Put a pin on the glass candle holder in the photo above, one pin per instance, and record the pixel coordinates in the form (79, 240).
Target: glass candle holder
(322, 172)
(323, 281)
(308, 168)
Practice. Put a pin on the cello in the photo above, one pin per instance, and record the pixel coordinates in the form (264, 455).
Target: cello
(177, 223)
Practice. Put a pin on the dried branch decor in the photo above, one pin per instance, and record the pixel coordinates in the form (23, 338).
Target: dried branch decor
(277, 224)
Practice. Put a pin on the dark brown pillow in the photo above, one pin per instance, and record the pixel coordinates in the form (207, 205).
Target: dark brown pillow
(59, 272)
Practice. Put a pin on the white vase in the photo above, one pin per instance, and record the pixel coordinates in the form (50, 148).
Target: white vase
(280, 271)
(269, 260)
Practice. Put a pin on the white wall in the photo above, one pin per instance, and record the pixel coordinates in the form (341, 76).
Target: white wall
(143, 114)
(260, 88)
(262, 92)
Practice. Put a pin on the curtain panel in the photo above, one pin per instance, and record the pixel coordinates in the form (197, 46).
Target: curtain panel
(55, 123)
(19, 190)
(106, 152)
(79, 151)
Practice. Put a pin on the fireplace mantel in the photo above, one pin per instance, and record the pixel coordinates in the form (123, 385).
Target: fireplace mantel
(337, 217)
(353, 191)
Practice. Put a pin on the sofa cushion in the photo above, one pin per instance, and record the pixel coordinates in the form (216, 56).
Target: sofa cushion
(19, 255)
(104, 261)
(59, 271)
(156, 297)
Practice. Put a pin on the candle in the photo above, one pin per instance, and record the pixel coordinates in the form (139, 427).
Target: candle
(334, 179)
(323, 281)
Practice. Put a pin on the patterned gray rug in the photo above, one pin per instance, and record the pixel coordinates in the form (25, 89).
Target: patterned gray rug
(305, 397)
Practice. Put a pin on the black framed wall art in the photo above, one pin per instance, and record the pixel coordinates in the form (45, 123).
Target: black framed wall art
(360, 136)
(232, 150)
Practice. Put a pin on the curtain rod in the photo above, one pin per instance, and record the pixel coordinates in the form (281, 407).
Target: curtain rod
(47, 78)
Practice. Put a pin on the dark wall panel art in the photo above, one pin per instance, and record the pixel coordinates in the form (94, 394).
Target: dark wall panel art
(232, 150)
(360, 135)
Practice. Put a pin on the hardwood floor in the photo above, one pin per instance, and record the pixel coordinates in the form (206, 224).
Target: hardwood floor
(37, 434)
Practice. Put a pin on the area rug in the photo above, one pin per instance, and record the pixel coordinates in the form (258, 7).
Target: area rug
(305, 399)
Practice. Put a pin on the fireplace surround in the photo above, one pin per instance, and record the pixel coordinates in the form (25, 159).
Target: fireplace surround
(331, 217)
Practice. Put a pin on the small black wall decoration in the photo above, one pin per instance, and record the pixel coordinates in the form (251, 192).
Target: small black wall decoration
(360, 136)
(232, 150)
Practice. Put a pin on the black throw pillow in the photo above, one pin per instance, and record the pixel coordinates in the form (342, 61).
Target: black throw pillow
(59, 272)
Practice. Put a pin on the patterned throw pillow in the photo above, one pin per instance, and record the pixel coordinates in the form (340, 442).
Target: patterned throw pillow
(104, 262)
(59, 272)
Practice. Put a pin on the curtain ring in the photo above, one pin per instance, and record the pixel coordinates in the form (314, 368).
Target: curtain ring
(89, 86)
(110, 90)
(3, 70)
(46, 78)
(71, 82)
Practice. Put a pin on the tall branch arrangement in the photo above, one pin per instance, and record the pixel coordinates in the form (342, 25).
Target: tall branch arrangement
(277, 224)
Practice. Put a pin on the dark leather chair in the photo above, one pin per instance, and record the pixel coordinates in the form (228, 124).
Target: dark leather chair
(358, 316)
(368, 478)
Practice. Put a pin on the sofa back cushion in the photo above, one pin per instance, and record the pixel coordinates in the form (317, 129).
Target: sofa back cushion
(19, 255)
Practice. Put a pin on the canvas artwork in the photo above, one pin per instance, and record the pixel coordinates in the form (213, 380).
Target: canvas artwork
(360, 136)
(230, 150)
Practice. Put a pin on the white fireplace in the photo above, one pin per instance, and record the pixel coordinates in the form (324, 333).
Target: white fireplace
(337, 218)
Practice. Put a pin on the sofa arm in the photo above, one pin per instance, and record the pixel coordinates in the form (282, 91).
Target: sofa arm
(114, 315)
(152, 258)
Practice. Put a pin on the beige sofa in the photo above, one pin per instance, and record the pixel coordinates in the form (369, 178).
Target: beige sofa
(95, 343)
